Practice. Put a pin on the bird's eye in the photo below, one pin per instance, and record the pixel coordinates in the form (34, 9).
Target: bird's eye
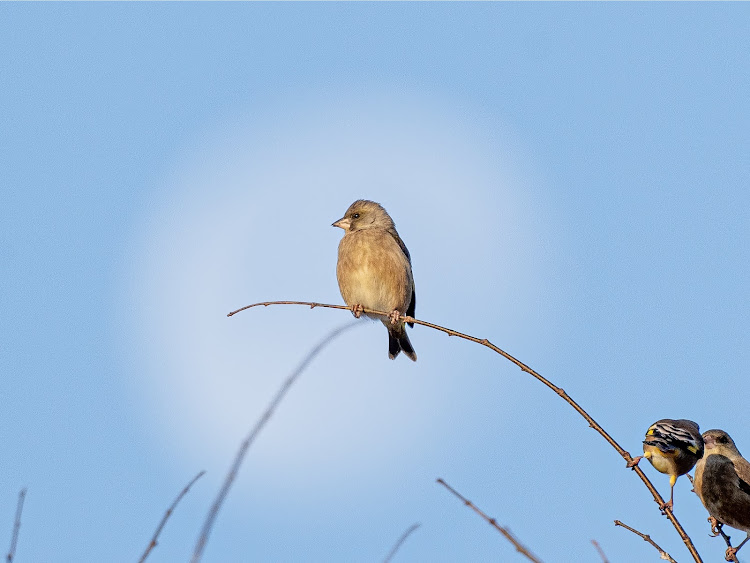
(355, 216)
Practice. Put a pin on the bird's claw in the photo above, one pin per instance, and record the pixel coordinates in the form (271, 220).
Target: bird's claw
(715, 526)
(394, 316)
(667, 505)
(357, 310)
(731, 554)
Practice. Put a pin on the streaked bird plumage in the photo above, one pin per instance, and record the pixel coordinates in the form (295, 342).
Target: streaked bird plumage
(374, 270)
(673, 447)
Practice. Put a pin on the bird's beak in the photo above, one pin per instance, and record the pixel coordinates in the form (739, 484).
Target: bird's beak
(343, 223)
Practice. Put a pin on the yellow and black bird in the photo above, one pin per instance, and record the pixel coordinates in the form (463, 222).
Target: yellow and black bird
(673, 447)
(722, 482)
(374, 271)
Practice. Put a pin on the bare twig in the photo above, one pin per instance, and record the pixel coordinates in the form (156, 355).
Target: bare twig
(259, 425)
(717, 529)
(152, 543)
(400, 542)
(504, 531)
(16, 525)
(663, 554)
(600, 551)
(559, 391)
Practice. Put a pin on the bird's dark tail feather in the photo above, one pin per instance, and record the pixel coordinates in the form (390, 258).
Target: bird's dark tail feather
(398, 341)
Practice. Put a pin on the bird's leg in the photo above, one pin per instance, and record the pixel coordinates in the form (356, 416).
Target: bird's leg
(716, 529)
(633, 462)
(394, 316)
(670, 503)
(357, 310)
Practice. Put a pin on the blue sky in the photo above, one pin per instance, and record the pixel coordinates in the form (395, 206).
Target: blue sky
(572, 183)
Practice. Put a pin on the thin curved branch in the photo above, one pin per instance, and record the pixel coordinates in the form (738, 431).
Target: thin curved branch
(16, 526)
(600, 551)
(663, 554)
(520, 548)
(400, 542)
(152, 543)
(717, 529)
(259, 425)
(559, 391)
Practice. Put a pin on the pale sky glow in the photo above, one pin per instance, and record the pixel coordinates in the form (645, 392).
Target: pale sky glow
(249, 220)
(571, 180)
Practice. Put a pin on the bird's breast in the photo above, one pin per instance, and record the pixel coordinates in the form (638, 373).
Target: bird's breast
(373, 271)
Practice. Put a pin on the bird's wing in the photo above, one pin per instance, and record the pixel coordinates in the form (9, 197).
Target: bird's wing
(668, 436)
(742, 467)
(400, 243)
(665, 446)
(412, 305)
(744, 486)
(725, 469)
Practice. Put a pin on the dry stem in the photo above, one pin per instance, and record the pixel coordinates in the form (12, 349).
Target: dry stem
(504, 531)
(400, 542)
(717, 529)
(259, 425)
(663, 554)
(152, 543)
(600, 551)
(16, 525)
(484, 342)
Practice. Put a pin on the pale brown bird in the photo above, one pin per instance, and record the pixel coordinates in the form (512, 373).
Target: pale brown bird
(374, 271)
(722, 482)
(673, 447)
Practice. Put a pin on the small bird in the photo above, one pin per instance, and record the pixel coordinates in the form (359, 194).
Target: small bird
(722, 482)
(374, 271)
(673, 447)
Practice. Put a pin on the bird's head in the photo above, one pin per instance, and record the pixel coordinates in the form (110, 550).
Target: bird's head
(364, 214)
(719, 442)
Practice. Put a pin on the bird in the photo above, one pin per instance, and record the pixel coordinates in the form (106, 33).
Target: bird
(673, 447)
(374, 271)
(722, 482)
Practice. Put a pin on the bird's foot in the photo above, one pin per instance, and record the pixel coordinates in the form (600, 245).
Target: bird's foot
(394, 316)
(357, 310)
(731, 554)
(715, 526)
(633, 462)
(667, 505)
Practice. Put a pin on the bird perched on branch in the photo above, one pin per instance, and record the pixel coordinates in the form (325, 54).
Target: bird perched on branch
(722, 482)
(374, 271)
(673, 447)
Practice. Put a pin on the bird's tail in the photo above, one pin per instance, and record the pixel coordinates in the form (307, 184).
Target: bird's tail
(398, 341)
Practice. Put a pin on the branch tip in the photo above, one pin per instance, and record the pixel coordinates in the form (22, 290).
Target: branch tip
(492, 522)
(647, 538)
(153, 543)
